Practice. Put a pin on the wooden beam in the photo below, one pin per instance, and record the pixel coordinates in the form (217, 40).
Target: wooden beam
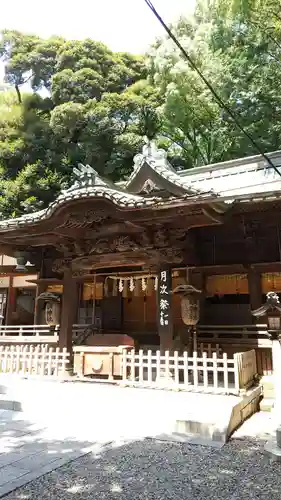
(46, 281)
(262, 267)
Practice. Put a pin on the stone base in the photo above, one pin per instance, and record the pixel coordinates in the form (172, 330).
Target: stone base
(273, 451)
(273, 447)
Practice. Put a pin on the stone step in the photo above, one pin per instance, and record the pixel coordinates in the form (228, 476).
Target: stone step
(278, 436)
(267, 383)
(268, 393)
(7, 403)
(266, 404)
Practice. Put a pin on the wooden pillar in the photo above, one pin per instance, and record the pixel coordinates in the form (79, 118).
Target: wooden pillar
(11, 299)
(164, 309)
(68, 311)
(255, 291)
(39, 304)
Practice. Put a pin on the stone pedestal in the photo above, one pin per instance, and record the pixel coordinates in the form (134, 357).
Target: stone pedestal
(273, 447)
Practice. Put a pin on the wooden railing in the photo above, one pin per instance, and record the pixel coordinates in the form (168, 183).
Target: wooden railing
(249, 335)
(30, 334)
(27, 330)
(171, 370)
(39, 360)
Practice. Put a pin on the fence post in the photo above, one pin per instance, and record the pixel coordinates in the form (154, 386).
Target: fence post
(215, 370)
(149, 367)
(225, 372)
(176, 367)
(185, 369)
(158, 365)
(124, 365)
(65, 356)
(11, 358)
(133, 365)
(140, 365)
(17, 359)
(195, 370)
(50, 359)
(236, 372)
(205, 370)
(56, 358)
(167, 365)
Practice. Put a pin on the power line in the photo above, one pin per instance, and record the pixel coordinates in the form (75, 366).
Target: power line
(210, 87)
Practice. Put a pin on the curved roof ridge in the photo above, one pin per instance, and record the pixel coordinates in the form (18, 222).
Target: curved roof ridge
(156, 159)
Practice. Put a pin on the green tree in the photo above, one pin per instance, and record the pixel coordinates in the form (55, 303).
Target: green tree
(247, 37)
(236, 45)
(92, 114)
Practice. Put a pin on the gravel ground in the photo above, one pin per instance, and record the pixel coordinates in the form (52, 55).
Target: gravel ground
(161, 471)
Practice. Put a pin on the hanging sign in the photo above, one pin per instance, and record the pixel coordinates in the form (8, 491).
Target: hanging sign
(164, 300)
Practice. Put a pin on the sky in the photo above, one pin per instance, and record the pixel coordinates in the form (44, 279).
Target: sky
(124, 25)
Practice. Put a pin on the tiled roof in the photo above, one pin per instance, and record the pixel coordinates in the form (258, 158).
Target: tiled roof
(238, 180)
(89, 184)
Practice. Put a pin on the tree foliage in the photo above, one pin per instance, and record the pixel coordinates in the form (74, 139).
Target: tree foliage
(88, 104)
(91, 114)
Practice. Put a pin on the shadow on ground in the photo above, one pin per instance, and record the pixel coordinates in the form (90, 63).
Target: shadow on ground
(149, 469)
(28, 449)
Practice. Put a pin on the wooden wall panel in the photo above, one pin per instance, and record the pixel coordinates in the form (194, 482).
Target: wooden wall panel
(227, 314)
(140, 314)
(133, 314)
(112, 313)
(227, 284)
(150, 310)
(271, 282)
(176, 310)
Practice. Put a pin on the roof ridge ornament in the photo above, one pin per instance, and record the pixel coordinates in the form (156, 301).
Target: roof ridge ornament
(150, 152)
(87, 176)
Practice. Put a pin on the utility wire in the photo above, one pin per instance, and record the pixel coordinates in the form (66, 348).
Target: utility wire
(210, 87)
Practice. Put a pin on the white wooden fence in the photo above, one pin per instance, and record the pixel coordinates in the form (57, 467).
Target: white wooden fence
(213, 374)
(39, 360)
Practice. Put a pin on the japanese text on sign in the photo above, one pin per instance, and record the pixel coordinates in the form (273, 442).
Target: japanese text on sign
(164, 303)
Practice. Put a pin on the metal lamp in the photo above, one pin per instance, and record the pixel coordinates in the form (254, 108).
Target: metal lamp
(21, 259)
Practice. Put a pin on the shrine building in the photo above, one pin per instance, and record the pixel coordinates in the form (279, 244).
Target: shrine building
(166, 260)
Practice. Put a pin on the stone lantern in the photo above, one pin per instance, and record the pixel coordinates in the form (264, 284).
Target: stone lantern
(190, 308)
(272, 309)
(21, 258)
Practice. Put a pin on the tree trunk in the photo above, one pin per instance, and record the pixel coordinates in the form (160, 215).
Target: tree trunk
(18, 94)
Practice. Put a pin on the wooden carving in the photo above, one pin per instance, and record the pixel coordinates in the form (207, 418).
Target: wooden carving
(84, 219)
(146, 247)
(118, 244)
(61, 265)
